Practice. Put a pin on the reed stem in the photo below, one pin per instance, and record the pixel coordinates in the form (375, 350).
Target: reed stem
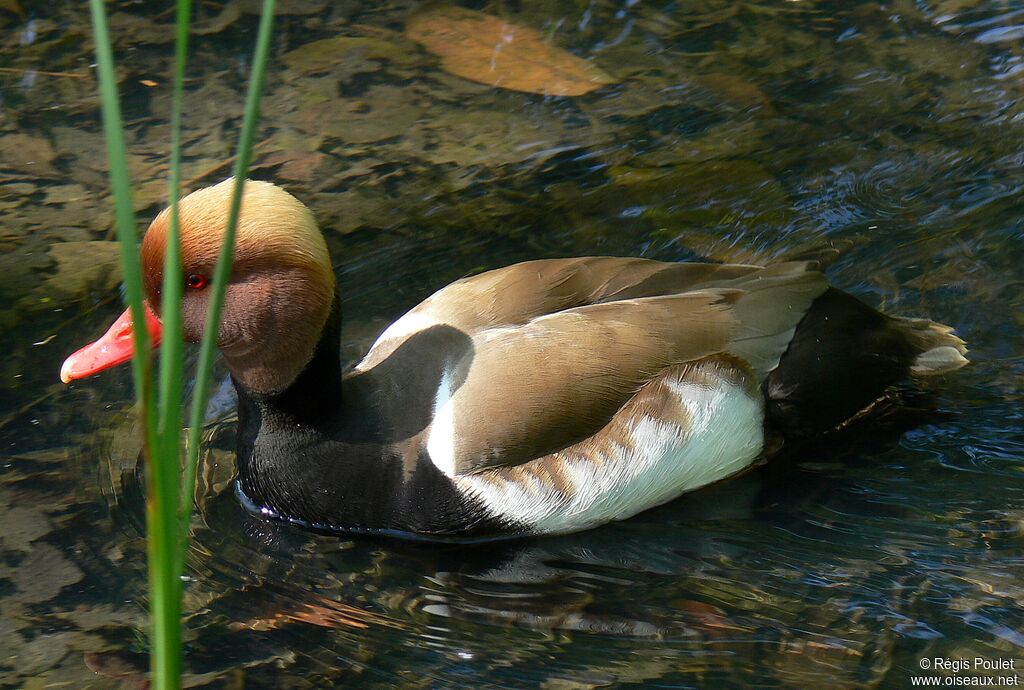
(168, 501)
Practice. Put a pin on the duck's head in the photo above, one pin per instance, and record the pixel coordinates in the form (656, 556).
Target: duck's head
(277, 301)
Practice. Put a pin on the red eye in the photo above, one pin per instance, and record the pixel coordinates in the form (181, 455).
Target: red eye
(196, 281)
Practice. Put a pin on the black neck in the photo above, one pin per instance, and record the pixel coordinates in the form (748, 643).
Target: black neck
(327, 455)
(316, 393)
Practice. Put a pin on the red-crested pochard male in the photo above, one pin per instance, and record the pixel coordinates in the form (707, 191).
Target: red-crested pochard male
(549, 396)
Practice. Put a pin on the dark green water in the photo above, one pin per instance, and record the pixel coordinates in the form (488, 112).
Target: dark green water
(737, 132)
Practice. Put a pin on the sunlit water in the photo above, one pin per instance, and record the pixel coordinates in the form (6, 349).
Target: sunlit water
(738, 132)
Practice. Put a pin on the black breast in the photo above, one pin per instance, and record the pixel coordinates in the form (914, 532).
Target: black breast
(301, 474)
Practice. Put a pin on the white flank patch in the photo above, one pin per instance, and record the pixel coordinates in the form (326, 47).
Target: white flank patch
(441, 442)
(661, 462)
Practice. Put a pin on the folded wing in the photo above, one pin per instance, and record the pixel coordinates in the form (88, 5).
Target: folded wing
(530, 388)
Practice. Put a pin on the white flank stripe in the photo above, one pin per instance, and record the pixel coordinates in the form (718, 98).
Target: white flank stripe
(662, 462)
(441, 442)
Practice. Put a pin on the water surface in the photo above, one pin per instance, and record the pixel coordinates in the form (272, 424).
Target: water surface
(885, 136)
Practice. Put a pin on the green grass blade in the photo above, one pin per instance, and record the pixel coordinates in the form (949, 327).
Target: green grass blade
(205, 367)
(124, 213)
(165, 581)
(165, 587)
(168, 504)
(171, 352)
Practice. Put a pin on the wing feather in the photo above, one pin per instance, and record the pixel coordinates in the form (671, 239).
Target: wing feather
(559, 345)
(537, 388)
(516, 294)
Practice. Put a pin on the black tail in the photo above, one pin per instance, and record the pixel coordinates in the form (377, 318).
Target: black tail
(843, 357)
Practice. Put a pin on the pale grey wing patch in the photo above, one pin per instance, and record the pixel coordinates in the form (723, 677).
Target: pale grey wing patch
(514, 295)
(692, 426)
(774, 302)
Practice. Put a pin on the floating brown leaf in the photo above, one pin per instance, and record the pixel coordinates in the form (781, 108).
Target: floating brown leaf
(492, 51)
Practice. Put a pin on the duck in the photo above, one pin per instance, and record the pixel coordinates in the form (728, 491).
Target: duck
(549, 396)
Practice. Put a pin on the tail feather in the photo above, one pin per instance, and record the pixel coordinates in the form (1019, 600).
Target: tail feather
(939, 350)
(844, 356)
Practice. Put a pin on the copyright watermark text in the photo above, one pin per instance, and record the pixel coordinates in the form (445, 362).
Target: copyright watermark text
(967, 672)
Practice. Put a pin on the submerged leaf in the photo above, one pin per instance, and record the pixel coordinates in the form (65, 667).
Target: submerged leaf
(229, 14)
(127, 667)
(42, 574)
(489, 50)
(133, 29)
(322, 612)
(297, 167)
(26, 153)
(65, 194)
(80, 267)
(23, 525)
(383, 112)
(92, 616)
(330, 53)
